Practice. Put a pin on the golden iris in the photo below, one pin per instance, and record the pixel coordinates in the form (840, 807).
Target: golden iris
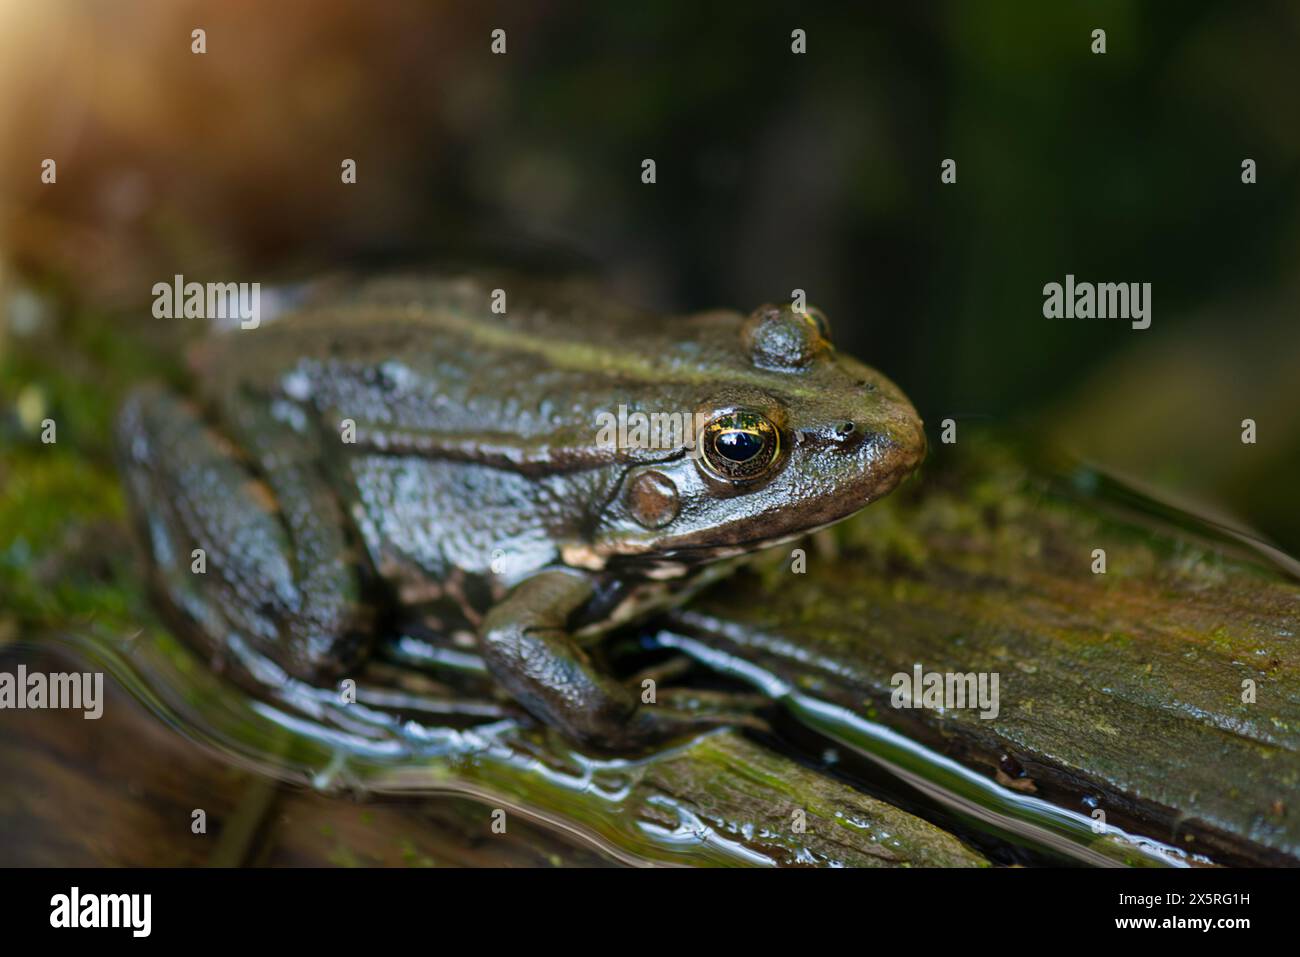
(740, 446)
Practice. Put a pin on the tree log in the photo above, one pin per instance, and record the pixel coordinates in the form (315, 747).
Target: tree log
(1164, 692)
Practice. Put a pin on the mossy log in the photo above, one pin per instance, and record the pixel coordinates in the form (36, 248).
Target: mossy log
(1163, 692)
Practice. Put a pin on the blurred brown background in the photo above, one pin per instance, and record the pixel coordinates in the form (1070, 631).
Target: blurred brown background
(775, 171)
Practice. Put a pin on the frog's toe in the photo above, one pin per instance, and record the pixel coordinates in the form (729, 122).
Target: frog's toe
(704, 701)
(685, 713)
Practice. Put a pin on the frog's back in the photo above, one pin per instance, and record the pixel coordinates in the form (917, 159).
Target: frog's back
(432, 355)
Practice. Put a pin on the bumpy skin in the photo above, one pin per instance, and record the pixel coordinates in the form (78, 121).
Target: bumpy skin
(475, 493)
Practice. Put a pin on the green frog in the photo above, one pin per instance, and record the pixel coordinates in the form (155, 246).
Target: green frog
(433, 445)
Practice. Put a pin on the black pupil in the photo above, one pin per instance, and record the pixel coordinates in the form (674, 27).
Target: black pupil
(739, 446)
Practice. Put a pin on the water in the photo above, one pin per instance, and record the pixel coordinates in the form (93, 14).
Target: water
(392, 741)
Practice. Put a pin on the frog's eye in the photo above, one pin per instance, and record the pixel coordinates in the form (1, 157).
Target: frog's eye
(739, 446)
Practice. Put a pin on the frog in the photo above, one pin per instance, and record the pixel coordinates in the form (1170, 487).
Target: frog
(428, 444)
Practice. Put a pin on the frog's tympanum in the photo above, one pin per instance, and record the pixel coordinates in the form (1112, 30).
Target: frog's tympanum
(401, 447)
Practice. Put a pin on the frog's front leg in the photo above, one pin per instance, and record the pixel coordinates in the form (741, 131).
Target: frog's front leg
(528, 648)
(234, 559)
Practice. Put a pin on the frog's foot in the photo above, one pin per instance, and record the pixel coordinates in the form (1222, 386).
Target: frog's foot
(530, 652)
(239, 574)
(684, 712)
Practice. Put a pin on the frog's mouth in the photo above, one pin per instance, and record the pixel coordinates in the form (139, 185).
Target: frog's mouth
(664, 563)
(689, 559)
(668, 561)
(705, 554)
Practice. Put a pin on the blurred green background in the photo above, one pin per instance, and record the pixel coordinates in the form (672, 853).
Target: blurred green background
(775, 171)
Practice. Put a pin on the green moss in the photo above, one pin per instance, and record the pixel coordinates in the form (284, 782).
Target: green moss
(50, 564)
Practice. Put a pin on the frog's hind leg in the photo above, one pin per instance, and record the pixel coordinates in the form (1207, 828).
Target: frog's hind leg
(224, 555)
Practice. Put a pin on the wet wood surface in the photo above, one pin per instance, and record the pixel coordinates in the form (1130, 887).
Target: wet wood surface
(1164, 692)
(122, 790)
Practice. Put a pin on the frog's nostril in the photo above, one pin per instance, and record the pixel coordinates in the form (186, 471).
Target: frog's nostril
(845, 429)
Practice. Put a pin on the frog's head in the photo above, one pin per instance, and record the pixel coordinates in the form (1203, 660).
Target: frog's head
(790, 436)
